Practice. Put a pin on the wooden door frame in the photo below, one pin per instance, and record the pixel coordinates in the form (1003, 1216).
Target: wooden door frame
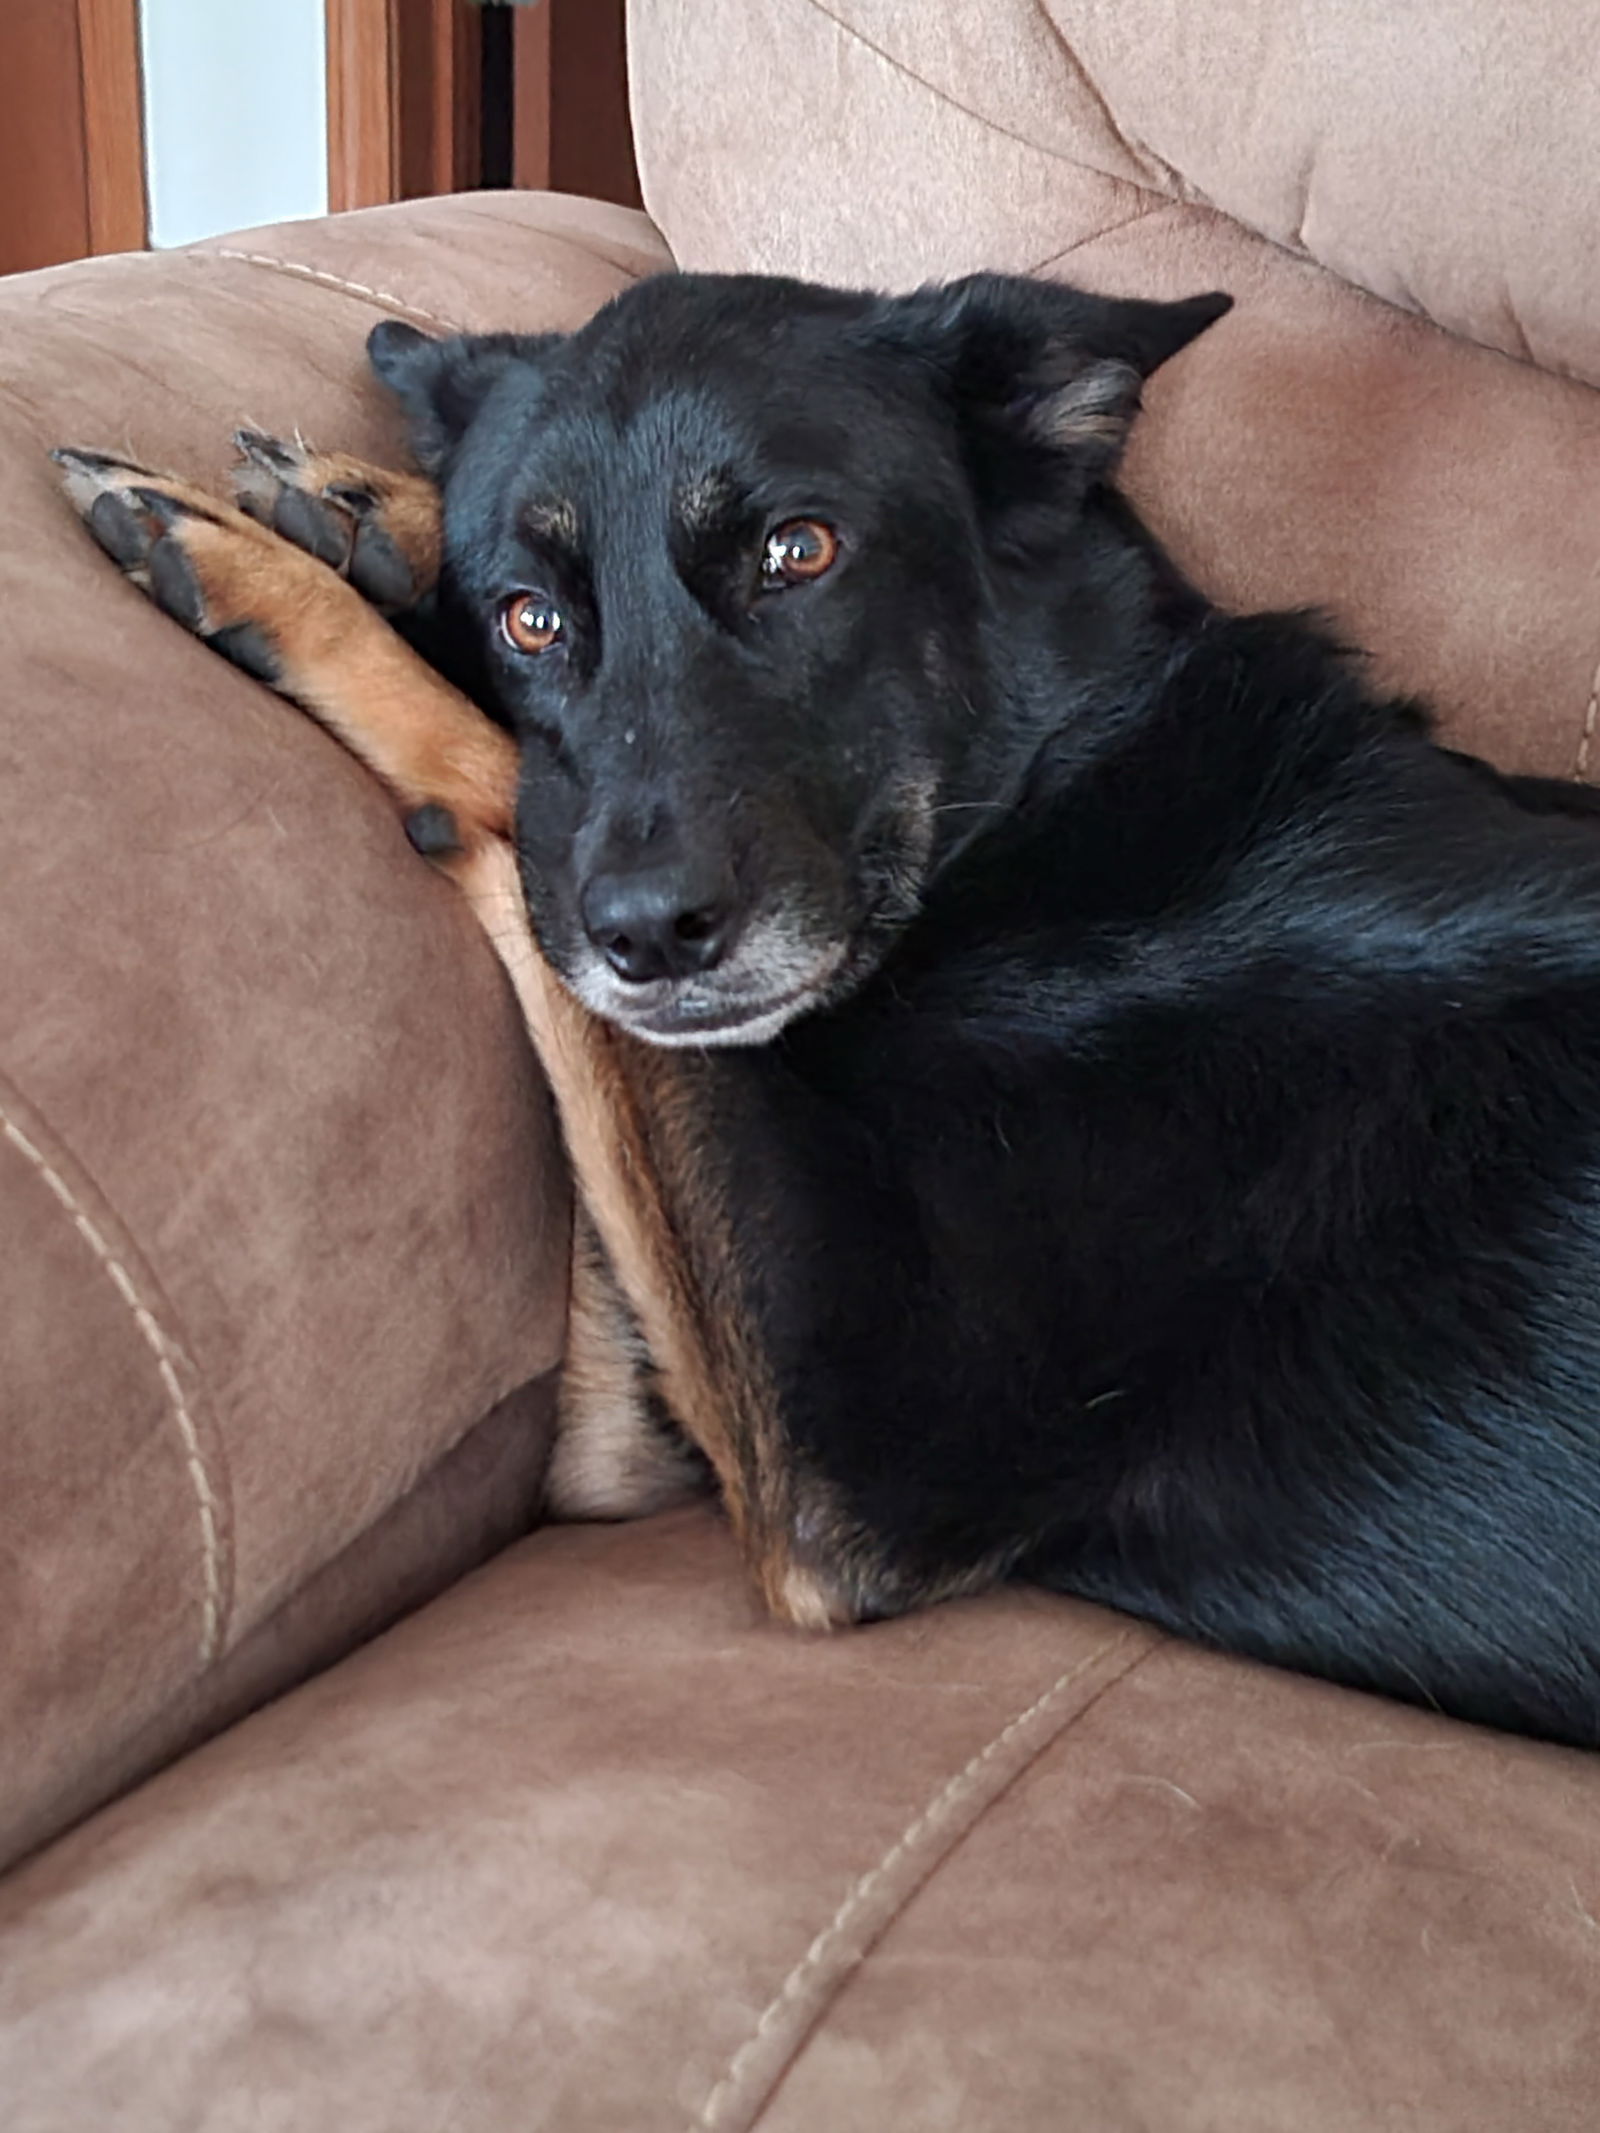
(403, 99)
(113, 125)
(406, 93)
(363, 115)
(571, 127)
(71, 131)
(441, 61)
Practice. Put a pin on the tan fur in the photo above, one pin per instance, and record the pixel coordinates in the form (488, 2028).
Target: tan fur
(611, 1459)
(1092, 409)
(556, 520)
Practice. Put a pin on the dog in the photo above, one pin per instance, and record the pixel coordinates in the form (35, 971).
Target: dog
(1065, 1083)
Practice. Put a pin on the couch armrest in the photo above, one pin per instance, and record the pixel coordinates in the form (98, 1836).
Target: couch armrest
(282, 1215)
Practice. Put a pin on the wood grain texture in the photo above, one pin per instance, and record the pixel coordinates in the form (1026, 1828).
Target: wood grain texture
(43, 172)
(440, 56)
(530, 118)
(113, 125)
(363, 57)
(404, 99)
(572, 128)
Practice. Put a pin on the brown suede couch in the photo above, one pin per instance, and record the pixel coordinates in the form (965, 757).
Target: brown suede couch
(545, 1828)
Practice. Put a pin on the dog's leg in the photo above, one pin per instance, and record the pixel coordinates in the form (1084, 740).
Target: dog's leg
(276, 611)
(636, 1118)
(618, 1453)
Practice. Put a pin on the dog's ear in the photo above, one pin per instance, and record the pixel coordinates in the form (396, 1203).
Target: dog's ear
(442, 384)
(1052, 366)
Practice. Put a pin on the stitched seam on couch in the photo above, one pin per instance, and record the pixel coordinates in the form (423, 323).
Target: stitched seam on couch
(390, 299)
(878, 1898)
(1180, 189)
(164, 1351)
(300, 272)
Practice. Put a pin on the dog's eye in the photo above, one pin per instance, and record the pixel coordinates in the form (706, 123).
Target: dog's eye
(796, 552)
(529, 622)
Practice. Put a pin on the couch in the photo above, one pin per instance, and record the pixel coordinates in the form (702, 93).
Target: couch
(337, 1790)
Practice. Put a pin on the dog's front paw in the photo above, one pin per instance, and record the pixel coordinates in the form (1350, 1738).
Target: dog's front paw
(377, 528)
(273, 608)
(203, 563)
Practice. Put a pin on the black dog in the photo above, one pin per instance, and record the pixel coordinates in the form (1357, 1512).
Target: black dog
(1142, 1096)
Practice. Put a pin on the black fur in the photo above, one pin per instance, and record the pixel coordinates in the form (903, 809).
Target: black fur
(1187, 1192)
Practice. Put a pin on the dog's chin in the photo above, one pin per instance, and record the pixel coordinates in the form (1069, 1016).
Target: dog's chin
(712, 1010)
(757, 1023)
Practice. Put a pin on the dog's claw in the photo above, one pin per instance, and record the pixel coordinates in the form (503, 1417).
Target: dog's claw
(167, 511)
(77, 461)
(265, 451)
(92, 477)
(359, 502)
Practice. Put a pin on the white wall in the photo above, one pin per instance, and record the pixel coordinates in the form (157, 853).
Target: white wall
(235, 114)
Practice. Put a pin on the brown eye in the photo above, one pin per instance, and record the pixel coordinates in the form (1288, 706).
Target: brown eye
(530, 623)
(798, 551)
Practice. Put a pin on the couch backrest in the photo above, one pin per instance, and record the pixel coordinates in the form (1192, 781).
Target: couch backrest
(1444, 154)
(1321, 446)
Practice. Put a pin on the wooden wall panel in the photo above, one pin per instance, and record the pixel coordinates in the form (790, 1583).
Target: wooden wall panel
(407, 112)
(363, 103)
(113, 125)
(43, 172)
(440, 54)
(572, 132)
(71, 131)
(403, 99)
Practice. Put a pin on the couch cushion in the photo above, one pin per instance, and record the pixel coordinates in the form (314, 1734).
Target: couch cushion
(1320, 447)
(1444, 154)
(585, 1846)
(283, 1213)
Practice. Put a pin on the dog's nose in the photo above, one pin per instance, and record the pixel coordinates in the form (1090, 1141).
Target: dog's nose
(657, 922)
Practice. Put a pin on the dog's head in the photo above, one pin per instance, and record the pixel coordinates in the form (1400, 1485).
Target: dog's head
(746, 557)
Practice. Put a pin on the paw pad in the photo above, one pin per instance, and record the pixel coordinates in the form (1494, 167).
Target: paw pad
(309, 523)
(250, 649)
(121, 532)
(174, 586)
